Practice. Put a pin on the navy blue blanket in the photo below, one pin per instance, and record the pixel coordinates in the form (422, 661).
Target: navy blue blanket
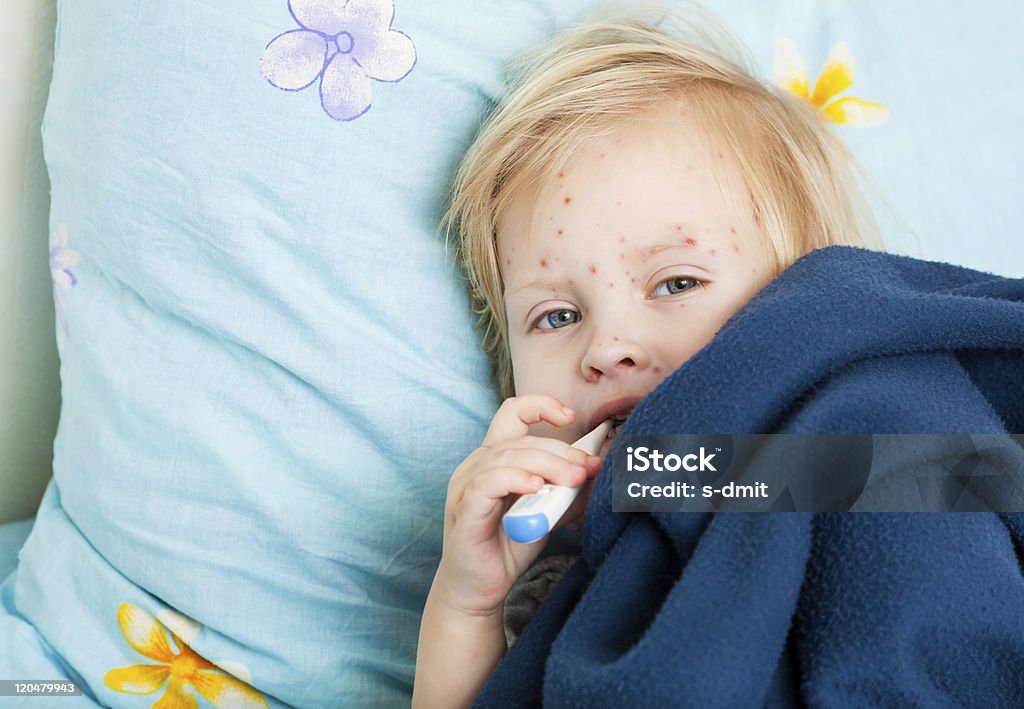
(787, 609)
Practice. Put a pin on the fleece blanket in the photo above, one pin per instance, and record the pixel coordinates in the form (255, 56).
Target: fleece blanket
(788, 609)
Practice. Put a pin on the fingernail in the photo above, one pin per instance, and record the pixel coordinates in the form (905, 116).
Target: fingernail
(536, 480)
(567, 411)
(594, 460)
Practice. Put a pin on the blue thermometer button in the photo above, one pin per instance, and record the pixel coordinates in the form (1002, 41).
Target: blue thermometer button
(526, 528)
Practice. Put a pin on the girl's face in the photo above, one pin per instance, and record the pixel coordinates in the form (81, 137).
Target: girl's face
(626, 267)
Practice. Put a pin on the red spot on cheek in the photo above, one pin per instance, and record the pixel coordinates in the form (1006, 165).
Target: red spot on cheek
(568, 199)
(679, 227)
(657, 370)
(690, 242)
(622, 240)
(543, 263)
(562, 173)
(712, 252)
(561, 233)
(736, 248)
(508, 262)
(632, 280)
(622, 256)
(593, 268)
(616, 339)
(610, 284)
(732, 229)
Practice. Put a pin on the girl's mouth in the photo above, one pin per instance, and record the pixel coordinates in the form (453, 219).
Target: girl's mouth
(617, 421)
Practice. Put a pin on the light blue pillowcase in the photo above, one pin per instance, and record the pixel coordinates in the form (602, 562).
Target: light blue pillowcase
(268, 366)
(948, 161)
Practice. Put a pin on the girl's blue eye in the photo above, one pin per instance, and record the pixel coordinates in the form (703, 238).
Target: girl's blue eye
(675, 285)
(557, 318)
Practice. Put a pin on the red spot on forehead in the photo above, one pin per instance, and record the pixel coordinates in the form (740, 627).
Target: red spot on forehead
(543, 263)
(633, 279)
(732, 229)
(735, 248)
(616, 338)
(712, 252)
(508, 262)
(593, 268)
(561, 173)
(622, 240)
(622, 256)
(610, 284)
(561, 233)
(690, 241)
(679, 227)
(721, 156)
(568, 199)
(618, 204)
(601, 155)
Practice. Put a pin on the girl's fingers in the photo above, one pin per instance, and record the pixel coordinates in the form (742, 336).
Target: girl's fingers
(518, 413)
(551, 445)
(486, 493)
(547, 461)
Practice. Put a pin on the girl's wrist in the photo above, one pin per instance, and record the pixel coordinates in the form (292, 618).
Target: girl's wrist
(451, 601)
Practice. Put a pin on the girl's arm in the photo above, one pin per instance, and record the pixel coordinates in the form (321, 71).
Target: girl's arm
(457, 653)
(462, 635)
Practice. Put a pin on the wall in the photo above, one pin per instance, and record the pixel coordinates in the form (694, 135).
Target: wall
(29, 371)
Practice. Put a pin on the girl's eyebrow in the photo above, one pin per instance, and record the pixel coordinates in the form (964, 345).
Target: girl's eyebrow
(544, 284)
(665, 246)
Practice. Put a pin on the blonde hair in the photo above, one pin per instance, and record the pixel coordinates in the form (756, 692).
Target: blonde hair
(587, 81)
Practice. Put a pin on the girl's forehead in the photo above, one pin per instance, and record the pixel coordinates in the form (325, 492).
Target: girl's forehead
(662, 155)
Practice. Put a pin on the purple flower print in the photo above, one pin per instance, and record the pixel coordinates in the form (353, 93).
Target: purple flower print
(344, 44)
(61, 260)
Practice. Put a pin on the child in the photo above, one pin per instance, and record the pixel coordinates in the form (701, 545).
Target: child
(628, 197)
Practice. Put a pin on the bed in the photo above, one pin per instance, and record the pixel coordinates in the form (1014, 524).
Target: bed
(267, 366)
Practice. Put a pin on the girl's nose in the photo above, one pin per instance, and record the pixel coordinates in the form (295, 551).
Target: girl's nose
(613, 355)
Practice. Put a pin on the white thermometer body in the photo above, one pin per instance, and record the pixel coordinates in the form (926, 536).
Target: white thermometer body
(533, 516)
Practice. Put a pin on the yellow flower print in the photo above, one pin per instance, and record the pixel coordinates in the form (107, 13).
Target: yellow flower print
(183, 668)
(836, 76)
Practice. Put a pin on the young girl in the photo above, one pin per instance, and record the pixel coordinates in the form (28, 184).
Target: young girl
(630, 195)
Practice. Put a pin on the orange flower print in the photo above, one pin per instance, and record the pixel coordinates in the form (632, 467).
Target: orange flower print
(836, 76)
(181, 671)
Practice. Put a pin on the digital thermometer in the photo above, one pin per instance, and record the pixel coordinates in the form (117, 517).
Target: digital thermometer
(535, 515)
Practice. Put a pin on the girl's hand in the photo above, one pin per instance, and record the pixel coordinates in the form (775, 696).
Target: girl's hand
(480, 563)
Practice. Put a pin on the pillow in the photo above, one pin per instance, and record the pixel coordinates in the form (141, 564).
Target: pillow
(268, 369)
(268, 366)
(946, 163)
